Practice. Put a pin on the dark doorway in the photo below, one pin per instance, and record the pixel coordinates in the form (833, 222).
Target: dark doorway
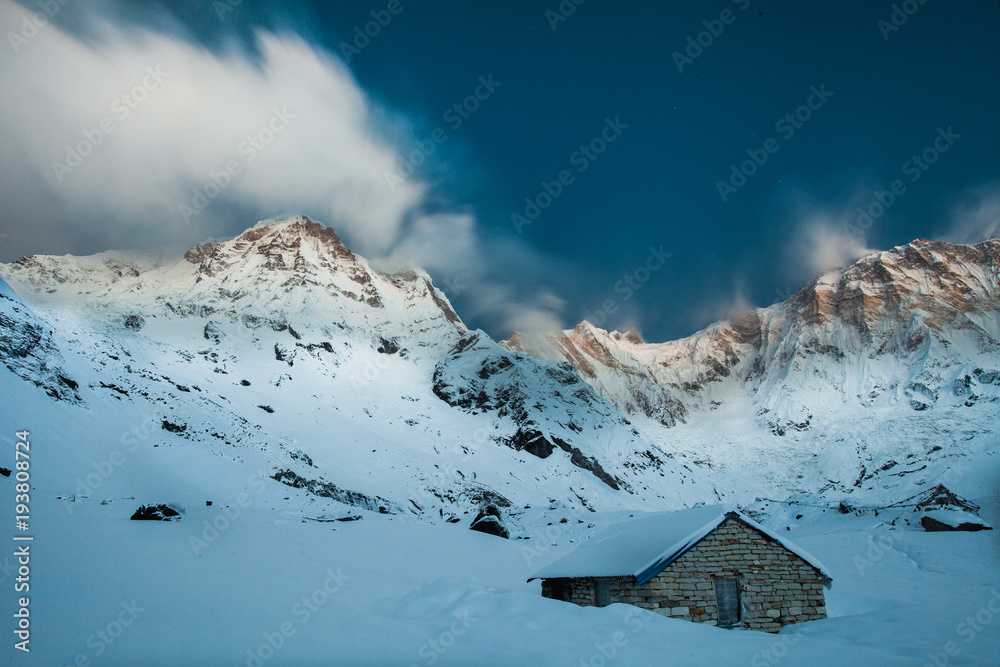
(602, 593)
(727, 599)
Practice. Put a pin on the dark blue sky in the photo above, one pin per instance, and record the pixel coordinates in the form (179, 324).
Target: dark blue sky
(657, 183)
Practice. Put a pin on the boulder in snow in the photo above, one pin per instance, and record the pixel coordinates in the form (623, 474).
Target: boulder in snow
(940, 520)
(156, 513)
(489, 521)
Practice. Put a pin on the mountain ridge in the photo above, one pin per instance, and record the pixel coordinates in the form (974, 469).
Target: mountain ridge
(283, 350)
(877, 295)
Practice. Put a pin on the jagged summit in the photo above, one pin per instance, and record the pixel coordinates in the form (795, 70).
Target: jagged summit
(289, 228)
(632, 335)
(286, 220)
(295, 244)
(941, 279)
(300, 226)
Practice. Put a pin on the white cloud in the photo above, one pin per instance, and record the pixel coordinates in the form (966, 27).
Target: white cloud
(825, 246)
(823, 239)
(445, 242)
(535, 313)
(292, 119)
(976, 219)
(724, 308)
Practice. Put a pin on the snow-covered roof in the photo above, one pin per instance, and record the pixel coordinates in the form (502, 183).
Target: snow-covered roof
(644, 547)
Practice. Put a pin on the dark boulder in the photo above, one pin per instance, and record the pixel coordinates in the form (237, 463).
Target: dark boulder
(156, 513)
(134, 321)
(213, 332)
(932, 525)
(490, 521)
(172, 427)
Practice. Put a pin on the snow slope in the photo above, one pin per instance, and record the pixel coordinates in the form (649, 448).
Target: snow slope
(393, 591)
(28, 350)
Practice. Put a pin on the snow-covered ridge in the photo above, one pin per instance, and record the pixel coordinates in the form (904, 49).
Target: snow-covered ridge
(290, 272)
(919, 305)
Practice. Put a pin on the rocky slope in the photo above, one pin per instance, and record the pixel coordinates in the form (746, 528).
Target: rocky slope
(28, 350)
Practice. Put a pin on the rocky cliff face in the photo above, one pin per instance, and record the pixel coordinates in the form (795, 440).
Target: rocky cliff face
(28, 349)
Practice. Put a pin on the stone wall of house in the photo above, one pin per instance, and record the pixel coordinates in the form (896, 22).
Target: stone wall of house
(776, 586)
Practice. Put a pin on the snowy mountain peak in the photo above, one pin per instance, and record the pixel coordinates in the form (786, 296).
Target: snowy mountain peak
(290, 231)
(896, 298)
(286, 272)
(297, 227)
(294, 245)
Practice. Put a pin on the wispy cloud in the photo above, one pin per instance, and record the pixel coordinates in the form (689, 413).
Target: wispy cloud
(128, 136)
(977, 218)
(822, 244)
(823, 237)
(532, 313)
(725, 307)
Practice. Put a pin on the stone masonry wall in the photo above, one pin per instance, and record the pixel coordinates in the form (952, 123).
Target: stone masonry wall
(777, 587)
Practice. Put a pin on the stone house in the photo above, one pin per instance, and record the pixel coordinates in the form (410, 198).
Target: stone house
(709, 564)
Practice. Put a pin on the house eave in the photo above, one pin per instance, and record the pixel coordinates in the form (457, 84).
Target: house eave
(585, 576)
